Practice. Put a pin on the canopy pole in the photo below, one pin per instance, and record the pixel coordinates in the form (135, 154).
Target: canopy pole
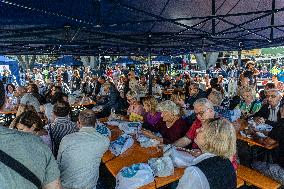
(150, 72)
(240, 57)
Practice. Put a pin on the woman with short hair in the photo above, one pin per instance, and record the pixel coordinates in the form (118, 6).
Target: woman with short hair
(172, 127)
(135, 110)
(152, 116)
(213, 168)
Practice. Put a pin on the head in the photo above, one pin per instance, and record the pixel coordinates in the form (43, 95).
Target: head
(131, 75)
(193, 89)
(169, 110)
(55, 89)
(20, 91)
(32, 88)
(150, 104)
(10, 88)
(216, 97)
(25, 107)
(76, 73)
(269, 86)
(102, 79)
(57, 97)
(61, 109)
(274, 78)
(106, 87)
(273, 97)
(132, 97)
(248, 94)
(250, 65)
(87, 118)
(203, 109)
(28, 121)
(175, 97)
(217, 137)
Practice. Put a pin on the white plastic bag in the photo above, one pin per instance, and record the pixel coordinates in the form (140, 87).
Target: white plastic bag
(121, 144)
(146, 142)
(103, 130)
(130, 127)
(179, 158)
(162, 167)
(135, 176)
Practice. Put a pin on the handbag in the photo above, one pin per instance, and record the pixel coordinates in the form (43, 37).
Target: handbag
(19, 168)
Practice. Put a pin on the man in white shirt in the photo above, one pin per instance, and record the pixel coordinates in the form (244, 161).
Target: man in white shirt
(80, 154)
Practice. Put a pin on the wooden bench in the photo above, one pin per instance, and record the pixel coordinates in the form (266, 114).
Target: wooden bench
(256, 178)
(240, 182)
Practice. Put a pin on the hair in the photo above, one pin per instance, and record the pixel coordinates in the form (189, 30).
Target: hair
(248, 90)
(132, 94)
(220, 138)
(25, 107)
(2, 94)
(61, 109)
(34, 88)
(270, 85)
(169, 106)
(152, 102)
(87, 118)
(203, 102)
(195, 84)
(29, 119)
(10, 84)
(218, 95)
(249, 63)
(275, 90)
(57, 97)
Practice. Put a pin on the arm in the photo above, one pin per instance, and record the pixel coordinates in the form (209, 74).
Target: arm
(183, 142)
(53, 185)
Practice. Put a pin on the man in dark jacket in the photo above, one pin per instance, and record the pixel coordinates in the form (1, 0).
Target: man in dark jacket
(194, 94)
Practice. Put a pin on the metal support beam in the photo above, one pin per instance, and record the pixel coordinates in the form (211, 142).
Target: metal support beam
(272, 20)
(213, 12)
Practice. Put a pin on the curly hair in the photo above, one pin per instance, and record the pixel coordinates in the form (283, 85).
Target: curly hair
(152, 102)
(29, 119)
(169, 106)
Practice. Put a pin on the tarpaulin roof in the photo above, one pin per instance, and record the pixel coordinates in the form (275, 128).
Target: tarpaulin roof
(67, 61)
(111, 27)
(126, 60)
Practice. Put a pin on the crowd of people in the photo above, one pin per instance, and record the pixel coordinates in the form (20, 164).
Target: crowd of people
(194, 112)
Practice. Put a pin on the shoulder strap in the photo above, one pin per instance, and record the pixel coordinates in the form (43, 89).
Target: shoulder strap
(19, 168)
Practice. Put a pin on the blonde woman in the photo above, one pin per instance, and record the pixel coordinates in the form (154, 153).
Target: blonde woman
(213, 168)
(249, 105)
(152, 116)
(173, 126)
(135, 110)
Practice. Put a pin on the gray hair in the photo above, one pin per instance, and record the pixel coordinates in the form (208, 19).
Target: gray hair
(169, 106)
(87, 118)
(203, 102)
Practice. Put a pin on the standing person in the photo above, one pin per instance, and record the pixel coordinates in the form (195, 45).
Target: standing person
(87, 86)
(52, 75)
(43, 174)
(76, 81)
(80, 154)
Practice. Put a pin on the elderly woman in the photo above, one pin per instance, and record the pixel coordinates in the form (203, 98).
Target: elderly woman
(135, 110)
(249, 105)
(152, 117)
(213, 168)
(173, 126)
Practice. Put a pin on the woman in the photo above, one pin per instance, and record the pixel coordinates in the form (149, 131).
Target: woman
(30, 122)
(33, 89)
(10, 89)
(172, 127)
(176, 98)
(135, 110)
(75, 81)
(21, 109)
(152, 117)
(213, 168)
(249, 105)
(87, 86)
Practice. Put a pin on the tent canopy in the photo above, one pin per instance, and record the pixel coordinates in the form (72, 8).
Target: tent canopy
(67, 61)
(127, 61)
(12, 64)
(133, 27)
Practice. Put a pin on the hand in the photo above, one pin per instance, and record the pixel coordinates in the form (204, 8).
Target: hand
(195, 152)
(282, 112)
(259, 120)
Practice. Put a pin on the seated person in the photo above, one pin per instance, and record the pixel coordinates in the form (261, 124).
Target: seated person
(135, 110)
(216, 97)
(30, 122)
(176, 98)
(269, 113)
(204, 111)
(249, 105)
(262, 93)
(172, 126)
(194, 94)
(152, 116)
(212, 169)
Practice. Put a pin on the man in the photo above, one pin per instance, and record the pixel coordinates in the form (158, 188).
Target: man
(269, 113)
(204, 111)
(80, 154)
(99, 84)
(61, 126)
(29, 152)
(194, 94)
(179, 84)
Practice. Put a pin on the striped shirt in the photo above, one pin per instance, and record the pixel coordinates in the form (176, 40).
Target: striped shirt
(60, 127)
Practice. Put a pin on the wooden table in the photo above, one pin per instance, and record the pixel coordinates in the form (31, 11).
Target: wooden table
(251, 142)
(6, 112)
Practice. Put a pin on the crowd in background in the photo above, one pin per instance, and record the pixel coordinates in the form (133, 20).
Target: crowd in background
(188, 111)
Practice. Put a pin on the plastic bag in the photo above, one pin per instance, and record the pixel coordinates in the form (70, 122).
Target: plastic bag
(135, 176)
(162, 167)
(130, 127)
(121, 144)
(180, 158)
(103, 130)
(146, 142)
